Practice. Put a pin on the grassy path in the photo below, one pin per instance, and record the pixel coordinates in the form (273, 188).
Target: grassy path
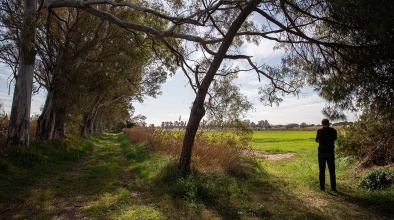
(104, 185)
(118, 180)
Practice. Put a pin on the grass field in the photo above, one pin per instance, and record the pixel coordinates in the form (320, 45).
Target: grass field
(107, 177)
(283, 141)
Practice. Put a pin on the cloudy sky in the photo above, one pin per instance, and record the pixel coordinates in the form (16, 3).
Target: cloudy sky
(177, 97)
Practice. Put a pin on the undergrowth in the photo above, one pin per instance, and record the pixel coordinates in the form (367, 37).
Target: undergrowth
(212, 151)
(20, 166)
(377, 179)
(371, 140)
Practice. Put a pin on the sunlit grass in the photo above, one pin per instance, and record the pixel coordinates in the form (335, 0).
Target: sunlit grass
(283, 141)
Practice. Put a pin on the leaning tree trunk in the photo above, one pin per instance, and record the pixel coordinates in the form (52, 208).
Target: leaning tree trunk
(60, 123)
(198, 111)
(89, 116)
(46, 121)
(83, 129)
(18, 130)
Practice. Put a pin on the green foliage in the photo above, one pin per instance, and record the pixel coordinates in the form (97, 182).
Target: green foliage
(376, 179)
(121, 125)
(303, 125)
(186, 188)
(370, 139)
(364, 76)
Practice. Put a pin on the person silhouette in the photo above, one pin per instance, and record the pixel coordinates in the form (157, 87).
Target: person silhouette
(325, 137)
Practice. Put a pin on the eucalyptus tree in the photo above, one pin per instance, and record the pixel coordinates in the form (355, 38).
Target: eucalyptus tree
(23, 55)
(82, 54)
(131, 73)
(63, 45)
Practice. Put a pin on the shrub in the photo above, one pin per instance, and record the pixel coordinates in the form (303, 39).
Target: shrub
(370, 139)
(186, 188)
(376, 179)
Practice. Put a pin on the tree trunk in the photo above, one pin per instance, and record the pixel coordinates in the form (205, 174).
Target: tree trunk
(198, 111)
(18, 130)
(46, 121)
(84, 126)
(60, 123)
(95, 127)
(88, 117)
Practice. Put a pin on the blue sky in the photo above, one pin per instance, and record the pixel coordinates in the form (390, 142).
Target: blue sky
(177, 96)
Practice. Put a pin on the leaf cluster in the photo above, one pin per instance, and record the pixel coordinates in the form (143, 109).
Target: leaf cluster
(357, 72)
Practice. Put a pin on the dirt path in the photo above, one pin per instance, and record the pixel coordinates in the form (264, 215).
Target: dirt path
(267, 156)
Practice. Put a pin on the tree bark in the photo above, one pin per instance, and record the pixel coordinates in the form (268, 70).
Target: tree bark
(198, 111)
(60, 123)
(88, 117)
(18, 130)
(46, 121)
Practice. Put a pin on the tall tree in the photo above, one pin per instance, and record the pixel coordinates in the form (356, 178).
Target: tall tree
(20, 111)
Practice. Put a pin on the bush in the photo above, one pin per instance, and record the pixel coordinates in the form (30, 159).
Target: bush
(186, 188)
(376, 179)
(370, 139)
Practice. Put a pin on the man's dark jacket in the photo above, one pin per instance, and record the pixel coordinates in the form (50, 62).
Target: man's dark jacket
(325, 137)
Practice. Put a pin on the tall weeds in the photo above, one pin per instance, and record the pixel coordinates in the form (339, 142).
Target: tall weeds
(213, 151)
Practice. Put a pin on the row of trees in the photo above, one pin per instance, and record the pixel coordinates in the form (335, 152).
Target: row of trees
(214, 124)
(262, 124)
(342, 48)
(90, 69)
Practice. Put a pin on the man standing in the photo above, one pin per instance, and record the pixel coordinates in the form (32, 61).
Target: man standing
(326, 137)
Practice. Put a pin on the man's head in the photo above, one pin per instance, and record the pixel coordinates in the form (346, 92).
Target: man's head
(325, 122)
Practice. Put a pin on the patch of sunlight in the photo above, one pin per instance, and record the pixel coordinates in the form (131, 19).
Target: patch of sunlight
(41, 198)
(117, 199)
(142, 213)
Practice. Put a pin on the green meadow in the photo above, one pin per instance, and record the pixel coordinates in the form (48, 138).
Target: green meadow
(283, 141)
(109, 177)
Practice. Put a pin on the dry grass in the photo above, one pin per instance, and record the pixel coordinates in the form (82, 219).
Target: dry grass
(212, 151)
(4, 122)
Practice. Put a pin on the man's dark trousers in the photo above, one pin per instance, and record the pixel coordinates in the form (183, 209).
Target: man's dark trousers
(328, 158)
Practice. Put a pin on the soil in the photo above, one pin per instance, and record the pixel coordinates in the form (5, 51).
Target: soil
(267, 156)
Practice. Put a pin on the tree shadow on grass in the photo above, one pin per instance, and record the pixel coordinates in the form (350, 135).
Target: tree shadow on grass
(95, 185)
(246, 192)
(379, 201)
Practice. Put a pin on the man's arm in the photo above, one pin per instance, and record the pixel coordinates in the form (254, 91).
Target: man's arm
(317, 136)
